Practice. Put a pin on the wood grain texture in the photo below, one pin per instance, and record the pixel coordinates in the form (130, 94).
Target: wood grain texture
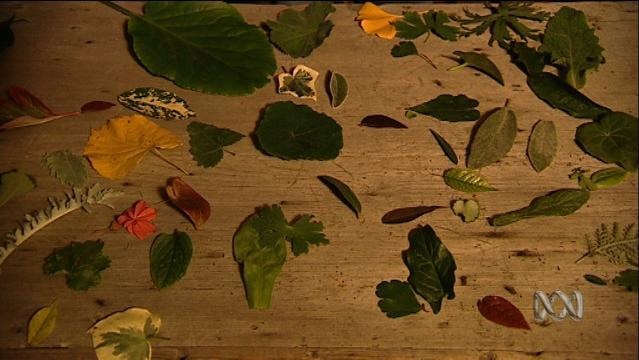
(324, 303)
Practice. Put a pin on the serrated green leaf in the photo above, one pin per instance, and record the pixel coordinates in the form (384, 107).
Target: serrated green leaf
(339, 89)
(169, 258)
(542, 145)
(449, 108)
(436, 20)
(594, 279)
(14, 183)
(42, 324)
(295, 132)
(125, 335)
(397, 299)
(467, 210)
(66, 167)
(480, 62)
(298, 33)
(81, 263)
(303, 232)
(208, 142)
(404, 48)
(156, 103)
(572, 45)
(628, 279)
(343, 192)
(611, 139)
(448, 150)
(300, 84)
(529, 59)
(493, 139)
(557, 203)
(411, 26)
(466, 180)
(608, 177)
(213, 49)
(432, 267)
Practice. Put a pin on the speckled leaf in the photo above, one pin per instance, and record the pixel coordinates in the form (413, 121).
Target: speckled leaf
(339, 89)
(449, 108)
(493, 138)
(343, 192)
(157, 103)
(66, 167)
(480, 62)
(448, 150)
(466, 180)
(542, 145)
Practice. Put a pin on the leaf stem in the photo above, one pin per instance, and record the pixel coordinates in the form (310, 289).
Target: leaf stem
(427, 60)
(119, 8)
(161, 156)
(229, 152)
(460, 66)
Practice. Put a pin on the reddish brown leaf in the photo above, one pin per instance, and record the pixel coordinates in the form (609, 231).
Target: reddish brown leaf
(189, 201)
(501, 311)
(407, 214)
(29, 103)
(96, 106)
(381, 121)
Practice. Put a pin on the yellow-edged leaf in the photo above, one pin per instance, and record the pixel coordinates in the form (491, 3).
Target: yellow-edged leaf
(376, 21)
(42, 324)
(117, 147)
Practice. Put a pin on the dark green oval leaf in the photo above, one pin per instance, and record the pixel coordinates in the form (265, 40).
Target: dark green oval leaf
(449, 108)
(156, 103)
(339, 89)
(493, 138)
(169, 258)
(403, 215)
(480, 62)
(343, 192)
(612, 139)
(208, 142)
(448, 150)
(542, 145)
(397, 299)
(530, 60)
(381, 121)
(404, 48)
(557, 203)
(466, 180)
(594, 279)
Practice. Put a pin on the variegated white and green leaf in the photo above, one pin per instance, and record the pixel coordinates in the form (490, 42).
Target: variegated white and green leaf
(156, 103)
(466, 180)
(300, 84)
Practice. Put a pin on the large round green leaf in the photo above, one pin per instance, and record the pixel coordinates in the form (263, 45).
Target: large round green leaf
(202, 46)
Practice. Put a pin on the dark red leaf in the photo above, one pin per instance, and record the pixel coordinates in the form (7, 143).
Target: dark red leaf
(407, 214)
(96, 106)
(28, 102)
(381, 121)
(501, 311)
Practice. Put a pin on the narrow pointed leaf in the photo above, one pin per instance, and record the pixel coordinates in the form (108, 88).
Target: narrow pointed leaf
(493, 138)
(156, 103)
(466, 180)
(502, 312)
(339, 89)
(343, 192)
(42, 324)
(448, 150)
(381, 121)
(542, 145)
(482, 63)
(397, 298)
(403, 215)
(169, 258)
(594, 279)
(449, 108)
(557, 203)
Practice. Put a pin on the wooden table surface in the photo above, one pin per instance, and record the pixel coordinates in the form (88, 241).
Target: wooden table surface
(324, 303)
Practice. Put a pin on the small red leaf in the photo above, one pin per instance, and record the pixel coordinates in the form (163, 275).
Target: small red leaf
(96, 106)
(28, 102)
(501, 311)
(189, 201)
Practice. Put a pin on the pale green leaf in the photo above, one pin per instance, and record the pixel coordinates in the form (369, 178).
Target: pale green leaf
(125, 335)
(608, 177)
(208, 142)
(466, 180)
(542, 145)
(156, 103)
(14, 183)
(339, 89)
(300, 84)
(493, 138)
(467, 210)
(42, 324)
(70, 169)
(169, 258)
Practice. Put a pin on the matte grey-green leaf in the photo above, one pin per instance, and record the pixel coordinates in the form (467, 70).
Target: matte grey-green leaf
(449, 108)
(466, 180)
(448, 150)
(480, 62)
(208, 142)
(156, 103)
(493, 138)
(397, 298)
(66, 167)
(339, 89)
(542, 145)
(557, 203)
(169, 258)
(343, 192)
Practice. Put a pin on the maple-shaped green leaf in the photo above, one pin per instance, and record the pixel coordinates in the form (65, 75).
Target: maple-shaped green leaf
(125, 335)
(67, 167)
(436, 22)
(202, 46)
(397, 299)
(343, 192)
(156, 103)
(572, 45)
(414, 25)
(411, 26)
(611, 139)
(629, 279)
(449, 108)
(296, 132)
(14, 183)
(480, 62)
(432, 267)
(493, 139)
(466, 180)
(208, 142)
(81, 263)
(301, 84)
(303, 232)
(298, 33)
(561, 202)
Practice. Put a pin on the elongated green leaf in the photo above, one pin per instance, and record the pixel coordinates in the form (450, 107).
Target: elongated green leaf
(343, 192)
(612, 139)
(82, 264)
(70, 169)
(14, 183)
(449, 108)
(480, 62)
(208, 142)
(212, 49)
(42, 324)
(397, 299)
(169, 258)
(564, 97)
(594, 279)
(339, 89)
(381, 121)
(557, 203)
(493, 138)
(608, 177)
(432, 267)
(156, 103)
(542, 145)
(466, 180)
(295, 132)
(448, 150)
(404, 48)
(406, 214)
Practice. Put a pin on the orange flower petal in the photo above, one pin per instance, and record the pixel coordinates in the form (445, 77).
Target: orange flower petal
(381, 28)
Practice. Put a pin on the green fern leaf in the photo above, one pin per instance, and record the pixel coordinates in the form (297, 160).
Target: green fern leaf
(619, 246)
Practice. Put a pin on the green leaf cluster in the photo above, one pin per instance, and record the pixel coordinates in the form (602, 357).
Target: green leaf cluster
(414, 25)
(81, 263)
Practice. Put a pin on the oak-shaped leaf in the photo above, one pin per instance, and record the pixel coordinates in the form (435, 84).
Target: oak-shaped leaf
(480, 62)
(66, 167)
(189, 201)
(542, 145)
(42, 324)
(81, 263)
(502, 312)
(397, 299)
(406, 214)
(449, 108)
(381, 121)
(493, 138)
(156, 103)
(14, 183)
(300, 84)
(208, 142)
(561, 202)
(343, 192)
(466, 180)
(169, 258)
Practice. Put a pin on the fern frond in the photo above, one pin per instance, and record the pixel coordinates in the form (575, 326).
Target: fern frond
(32, 223)
(619, 246)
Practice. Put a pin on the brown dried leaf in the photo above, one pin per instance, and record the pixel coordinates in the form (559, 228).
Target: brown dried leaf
(503, 312)
(96, 106)
(188, 201)
(407, 214)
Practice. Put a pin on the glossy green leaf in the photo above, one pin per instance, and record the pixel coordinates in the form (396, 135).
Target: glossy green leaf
(557, 203)
(81, 263)
(608, 177)
(397, 299)
(493, 139)
(480, 62)
(70, 169)
(295, 132)
(432, 267)
(339, 89)
(14, 183)
(628, 279)
(170, 258)
(406, 214)
(156, 103)
(466, 180)
(449, 108)
(594, 279)
(343, 192)
(448, 150)
(208, 142)
(404, 48)
(612, 139)
(542, 145)
(298, 33)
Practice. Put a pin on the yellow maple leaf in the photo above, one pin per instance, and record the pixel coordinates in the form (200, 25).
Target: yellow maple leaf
(117, 147)
(376, 21)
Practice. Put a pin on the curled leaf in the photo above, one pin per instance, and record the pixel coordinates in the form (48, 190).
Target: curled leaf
(42, 324)
(480, 62)
(343, 192)
(188, 201)
(502, 312)
(468, 210)
(381, 121)
(403, 215)
(376, 21)
(466, 180)
(156, 103)
(339, 89)
(138, 220)
(301, 84)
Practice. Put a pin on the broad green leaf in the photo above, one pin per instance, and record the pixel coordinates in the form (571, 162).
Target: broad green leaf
(449, 108)
(397, 299)
(572, 45)
(339, 89)
(42, 324)
(298, 33)
(66, 167)
(212, 49)
(381, 121)
(559, 95)
(448, 150)
(529, 59)
(612, 139)
(432, 267)
(493, 138)
(594, 279)
(629, 279)
(467, 210)
(169, 258)
(480, 62)
(608, 177)
(81, 263)
(542, 145)
(125, 335)
(557, 203)
(404, 48)
(411, 26)
(300, 84)
(406, 214)
(343, 192)
(466, 180)
(296, 132)
(14, 183)
(156, 103)
(208, 142)
(436, 20)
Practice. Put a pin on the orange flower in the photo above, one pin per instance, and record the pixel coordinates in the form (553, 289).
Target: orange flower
(376, 21)
(137, 220)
